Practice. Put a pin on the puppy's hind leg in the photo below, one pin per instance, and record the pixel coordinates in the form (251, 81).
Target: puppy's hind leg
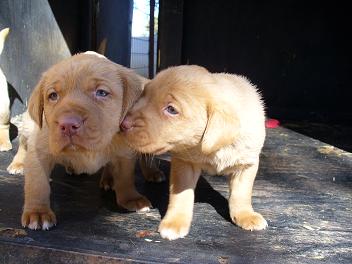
(16, 166)
(150, 170)
(240, 200)
(5, 143)
(107, 180)
(124, 185)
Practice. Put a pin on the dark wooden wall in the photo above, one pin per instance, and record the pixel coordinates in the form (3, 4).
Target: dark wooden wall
(77, 22)
(114, 25)
(297, 52)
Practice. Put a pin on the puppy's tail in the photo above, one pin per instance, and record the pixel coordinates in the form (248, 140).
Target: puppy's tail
(3, 35)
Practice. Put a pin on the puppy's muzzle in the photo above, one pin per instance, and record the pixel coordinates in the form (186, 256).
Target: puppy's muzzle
(70, 125)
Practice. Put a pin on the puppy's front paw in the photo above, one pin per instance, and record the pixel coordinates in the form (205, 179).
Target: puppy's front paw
(38, 219)
(250, 220)
(172, 228)
(134, 202)
(15, 168)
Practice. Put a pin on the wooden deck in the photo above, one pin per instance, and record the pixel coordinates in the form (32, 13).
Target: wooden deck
(304, 190)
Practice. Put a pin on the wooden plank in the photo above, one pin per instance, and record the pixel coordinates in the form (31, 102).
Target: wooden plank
(151, 40)
(303, 189)
(113, 29)
(170, 33)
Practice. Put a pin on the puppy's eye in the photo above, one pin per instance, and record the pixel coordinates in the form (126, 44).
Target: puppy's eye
(171, 110)
(53, 96)
(101, 93)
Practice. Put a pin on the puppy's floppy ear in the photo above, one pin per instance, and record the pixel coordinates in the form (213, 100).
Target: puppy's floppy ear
(132, 89)
(221, 130)
(36, 103)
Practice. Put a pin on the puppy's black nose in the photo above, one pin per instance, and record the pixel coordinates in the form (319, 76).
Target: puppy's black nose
(70, 125)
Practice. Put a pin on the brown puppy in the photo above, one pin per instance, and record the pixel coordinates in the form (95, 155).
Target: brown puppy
(78, 106)
(211, 122)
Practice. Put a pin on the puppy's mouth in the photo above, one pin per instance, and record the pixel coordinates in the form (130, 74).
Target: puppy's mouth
(73, 146)
(75, 143)
(150, 149)
(66, 144)
(138, 138)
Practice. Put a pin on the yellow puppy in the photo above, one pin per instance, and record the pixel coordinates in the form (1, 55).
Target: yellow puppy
(211, 122)
(5, 143)
(78, 106)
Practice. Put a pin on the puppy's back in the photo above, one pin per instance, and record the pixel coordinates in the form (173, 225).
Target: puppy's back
(246, 102)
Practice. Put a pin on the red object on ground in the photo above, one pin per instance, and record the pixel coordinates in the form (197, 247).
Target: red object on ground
(272, 123)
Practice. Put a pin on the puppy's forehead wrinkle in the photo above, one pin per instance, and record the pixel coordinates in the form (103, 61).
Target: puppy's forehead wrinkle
(51, 84)
(191, 106)
(73, 72)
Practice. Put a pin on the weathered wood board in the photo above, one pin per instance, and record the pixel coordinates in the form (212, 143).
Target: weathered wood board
(304, 189)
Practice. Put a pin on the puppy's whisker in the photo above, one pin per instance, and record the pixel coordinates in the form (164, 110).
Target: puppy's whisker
(152, 159)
